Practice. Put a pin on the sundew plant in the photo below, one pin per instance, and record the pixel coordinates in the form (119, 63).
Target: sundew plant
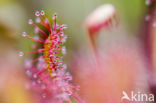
(47, 73)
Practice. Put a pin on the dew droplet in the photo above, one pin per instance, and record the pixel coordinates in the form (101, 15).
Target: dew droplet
(68, 76)
(38, 81)
(61, 33)
(154, 24)
(148, 2)
(147, 18)
(38, 20)
(42, 12)
(24, 34)
(64, 67)
(36, 30)
(60, 62)
(27, 85)
(33, 83)
(46, 20)
(37, 13)
(65, 96)
(36, 37)
(54, 16)
(53, 74)
(41, 59)
(44, 95)
(63, 50)
(29, 73)
(35, 76)
(30, 21)
(57, 26)
(21, 54)
(28, 63)
(64, 39)
(63, 26)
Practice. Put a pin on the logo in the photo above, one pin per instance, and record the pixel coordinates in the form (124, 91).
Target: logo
(141, 97)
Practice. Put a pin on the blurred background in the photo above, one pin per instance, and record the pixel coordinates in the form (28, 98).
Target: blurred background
(14, 15)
